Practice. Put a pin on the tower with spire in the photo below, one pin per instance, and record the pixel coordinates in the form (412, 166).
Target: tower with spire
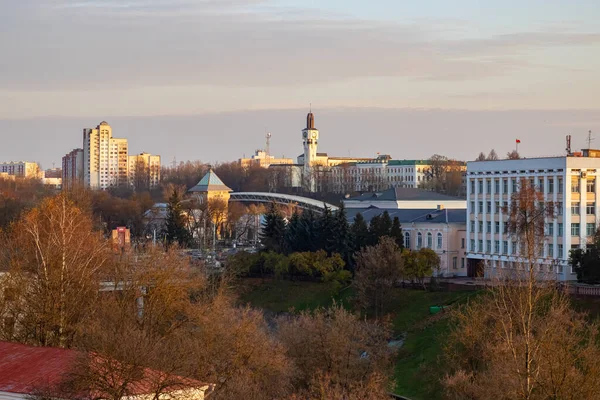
(310, 139)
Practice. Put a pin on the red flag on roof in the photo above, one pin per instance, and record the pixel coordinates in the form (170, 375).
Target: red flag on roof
(518, 141)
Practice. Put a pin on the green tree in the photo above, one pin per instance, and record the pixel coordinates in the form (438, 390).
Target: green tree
(292, 233)
(326, 236)
(273, 231)
(176, 228)
(308, 232)
(586, 262)
(396, 232)
(380, 226)
(359, 232)
(342, 237)
(419, 265)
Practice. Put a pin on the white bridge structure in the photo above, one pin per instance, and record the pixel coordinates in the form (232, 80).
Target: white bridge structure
(265, 197)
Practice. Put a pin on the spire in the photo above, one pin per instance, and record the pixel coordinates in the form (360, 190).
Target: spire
(310, 121)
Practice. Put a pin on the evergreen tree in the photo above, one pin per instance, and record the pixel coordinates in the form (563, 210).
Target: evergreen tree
(359, 232)
(380, 226)
(396, 232)
(176, 230)
(292, 232)
(326, 234)
(342, 237)
(273, 230)
(308, 232)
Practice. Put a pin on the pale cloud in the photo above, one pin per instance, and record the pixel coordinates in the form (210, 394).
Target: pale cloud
(241, 43)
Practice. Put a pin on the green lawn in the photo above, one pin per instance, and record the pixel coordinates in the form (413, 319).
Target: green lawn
(282, 295)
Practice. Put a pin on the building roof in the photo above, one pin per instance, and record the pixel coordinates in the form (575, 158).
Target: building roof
(210, 182)
(406, 216)
(26, 369)
(404, 194)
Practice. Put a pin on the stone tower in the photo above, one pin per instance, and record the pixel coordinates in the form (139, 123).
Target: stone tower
(310, 138)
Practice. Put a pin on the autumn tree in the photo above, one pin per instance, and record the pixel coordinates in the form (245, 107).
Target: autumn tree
(492, 156)
(334, 348)
(233, 348)
(522, 339)
(378, 268)
(513, 155)
(443, 175)
(55, 261)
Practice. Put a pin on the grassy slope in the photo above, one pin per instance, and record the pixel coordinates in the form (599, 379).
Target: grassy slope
(281, 295)
(418, 370)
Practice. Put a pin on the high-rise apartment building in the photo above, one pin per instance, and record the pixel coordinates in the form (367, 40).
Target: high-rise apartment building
(21, 169)
(570, 183)
(72, 169)
(105, 159)
(144, 171)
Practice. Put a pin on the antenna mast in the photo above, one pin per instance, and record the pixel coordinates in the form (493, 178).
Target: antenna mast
(590, 139)
(568, 145)
(268, 149)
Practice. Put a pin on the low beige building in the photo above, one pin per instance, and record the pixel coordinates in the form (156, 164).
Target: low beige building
(262, 159)
(440, 229)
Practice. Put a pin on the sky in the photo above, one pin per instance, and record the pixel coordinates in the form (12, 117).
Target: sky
(206, 79)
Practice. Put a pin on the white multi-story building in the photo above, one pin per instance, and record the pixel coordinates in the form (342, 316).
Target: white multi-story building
(380, 173)
(72, 169)
(21, 169)
(105, 159)
(569, 182)
(144, 171)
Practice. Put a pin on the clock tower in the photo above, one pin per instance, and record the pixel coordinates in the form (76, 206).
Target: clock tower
(310, 138)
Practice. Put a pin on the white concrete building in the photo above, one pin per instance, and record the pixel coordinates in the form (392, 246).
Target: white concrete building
(144, 171)
(379, 174)
(105, 159)
(569, 182)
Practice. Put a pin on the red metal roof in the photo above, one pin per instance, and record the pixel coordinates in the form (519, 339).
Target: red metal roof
(24, 368)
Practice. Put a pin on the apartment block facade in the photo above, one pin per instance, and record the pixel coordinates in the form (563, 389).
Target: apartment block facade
(72, 169)
(105, 159)
(21, 169)
(570, 183)
(144, 171)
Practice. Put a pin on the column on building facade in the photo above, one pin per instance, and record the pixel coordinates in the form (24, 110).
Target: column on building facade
(555, 221)
(502, 250)
(582, 210)
(511, 189)
(596, 194)
(566, 216)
